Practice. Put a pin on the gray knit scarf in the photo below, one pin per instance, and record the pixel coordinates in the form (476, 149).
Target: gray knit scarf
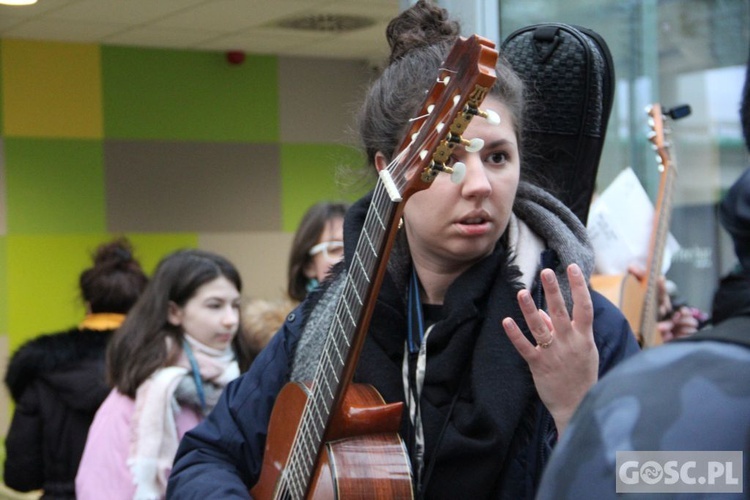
(547, 217)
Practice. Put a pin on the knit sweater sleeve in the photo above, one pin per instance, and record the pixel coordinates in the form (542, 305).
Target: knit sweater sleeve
(612, 333)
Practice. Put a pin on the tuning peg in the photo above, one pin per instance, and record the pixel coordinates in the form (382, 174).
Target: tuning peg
(457, 171)
(472, 146)
(489, 115)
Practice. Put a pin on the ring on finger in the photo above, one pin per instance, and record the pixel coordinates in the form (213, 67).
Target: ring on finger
(545, 345)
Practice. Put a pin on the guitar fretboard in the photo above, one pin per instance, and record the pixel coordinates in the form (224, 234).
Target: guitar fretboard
(650, 315)
(663, 210)
(327, 383)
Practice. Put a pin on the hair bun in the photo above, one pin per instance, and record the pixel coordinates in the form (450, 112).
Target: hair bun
(115, 254)
(420, 25)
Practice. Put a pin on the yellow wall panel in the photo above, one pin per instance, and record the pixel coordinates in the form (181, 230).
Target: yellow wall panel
(51, 89)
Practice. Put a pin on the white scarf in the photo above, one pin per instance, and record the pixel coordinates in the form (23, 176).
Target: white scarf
(526, 248)
(154, 437)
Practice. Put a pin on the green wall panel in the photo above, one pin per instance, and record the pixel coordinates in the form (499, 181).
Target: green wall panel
(54, 186)
(3, 286)
(188, 95)
(43, 273)
(2, 94)
(152, 247)
(314, 172)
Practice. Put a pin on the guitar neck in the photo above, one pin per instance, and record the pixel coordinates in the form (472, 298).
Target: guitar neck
(662, 214)
(345, 337)
(659, 235)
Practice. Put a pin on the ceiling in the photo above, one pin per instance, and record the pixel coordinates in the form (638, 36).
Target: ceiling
(693, 35)
(342, 29)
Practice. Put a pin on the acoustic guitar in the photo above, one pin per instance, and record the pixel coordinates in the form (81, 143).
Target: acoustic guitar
(330, 438)
(637, 298)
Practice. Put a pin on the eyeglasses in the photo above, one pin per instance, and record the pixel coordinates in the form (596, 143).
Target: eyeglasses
(332, 250)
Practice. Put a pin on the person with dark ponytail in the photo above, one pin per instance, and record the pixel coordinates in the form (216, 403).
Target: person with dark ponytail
(57, 380)
(484, 326)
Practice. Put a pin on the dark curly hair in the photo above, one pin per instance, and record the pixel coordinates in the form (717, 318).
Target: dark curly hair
(115, 281)
(420, 39)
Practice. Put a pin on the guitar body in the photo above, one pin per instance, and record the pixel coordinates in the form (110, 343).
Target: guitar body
(365, 458)
(627, 292)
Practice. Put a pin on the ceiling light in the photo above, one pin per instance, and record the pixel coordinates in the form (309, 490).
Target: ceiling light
(334, 23)
(17, 2)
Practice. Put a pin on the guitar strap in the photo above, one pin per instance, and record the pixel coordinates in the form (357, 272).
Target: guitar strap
(413, 371)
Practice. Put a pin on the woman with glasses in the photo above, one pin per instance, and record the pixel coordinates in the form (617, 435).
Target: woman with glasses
(318, 245)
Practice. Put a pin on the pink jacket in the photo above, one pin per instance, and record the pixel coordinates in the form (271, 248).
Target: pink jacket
(103, 472)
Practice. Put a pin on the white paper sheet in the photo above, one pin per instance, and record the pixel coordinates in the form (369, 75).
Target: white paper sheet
(619, 225)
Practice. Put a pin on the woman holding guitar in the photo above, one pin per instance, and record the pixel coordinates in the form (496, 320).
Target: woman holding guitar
(458, 333)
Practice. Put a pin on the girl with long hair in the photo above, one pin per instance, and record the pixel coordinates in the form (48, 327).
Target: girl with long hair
(167, 363)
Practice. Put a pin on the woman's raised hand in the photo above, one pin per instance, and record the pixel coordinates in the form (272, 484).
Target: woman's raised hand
(565, 361)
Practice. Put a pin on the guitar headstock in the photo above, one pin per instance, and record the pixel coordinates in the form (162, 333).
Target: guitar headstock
(660, 130)
(465, 78)
(658, 136)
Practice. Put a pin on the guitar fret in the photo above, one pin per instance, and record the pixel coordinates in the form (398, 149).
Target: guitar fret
(340, 325)
(360, 264)
(297, 484)
(338, 353)
(349, 313)
(328, 385)
(327, 355)
(296, 480)
(307, 456)
(359, 298)
(345, 338)
(298, 490)
(380, 220)
(309, 450)
(320, 416)
(366, 236)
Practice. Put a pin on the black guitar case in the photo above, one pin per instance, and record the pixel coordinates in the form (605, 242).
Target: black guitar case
(570, 76)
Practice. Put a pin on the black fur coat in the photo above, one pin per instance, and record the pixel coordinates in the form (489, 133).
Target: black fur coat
(57, 382)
